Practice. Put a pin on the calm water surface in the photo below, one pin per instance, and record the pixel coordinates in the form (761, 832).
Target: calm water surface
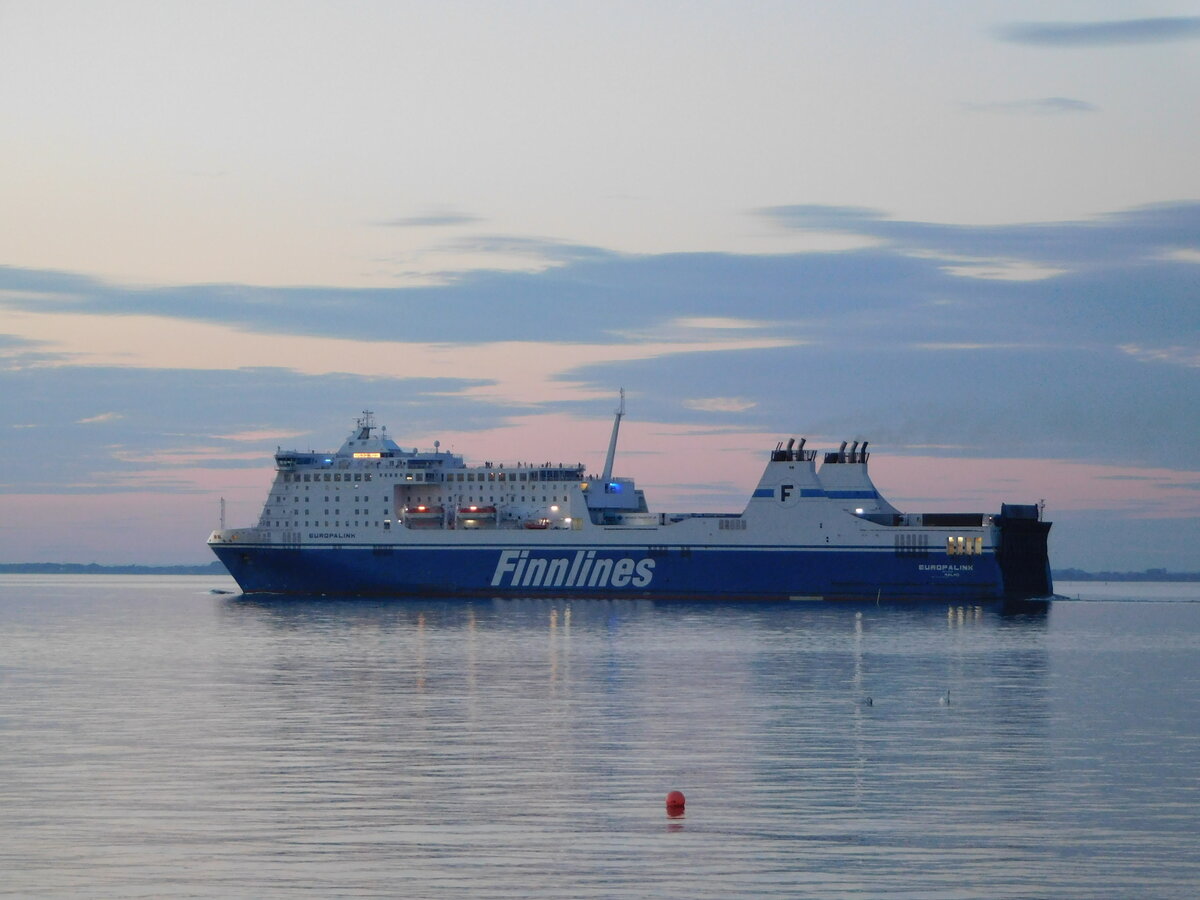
(158, 740)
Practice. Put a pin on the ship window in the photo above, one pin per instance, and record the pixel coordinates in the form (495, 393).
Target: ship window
(978, 546)
(951, 547)
(307, 477)
(326, 476)
(470, 476)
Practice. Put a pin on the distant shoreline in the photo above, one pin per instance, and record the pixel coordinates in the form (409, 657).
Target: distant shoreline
(212, 568)
(1148, 575)
(215, 568)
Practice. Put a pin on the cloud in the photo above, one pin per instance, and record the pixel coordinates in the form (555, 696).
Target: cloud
(1108, 239)
(508, 371)
(1182, 254)
(718, 322)
(1045, 106)
(978, 345)
(1102, 34)
(721, 404)
(888, 342)
(260, 434)
(1176, 354)
(103, 417)
(539, 252)
(590, 295)
(432, 220)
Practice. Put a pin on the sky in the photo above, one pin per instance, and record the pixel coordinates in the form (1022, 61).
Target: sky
(966, 232)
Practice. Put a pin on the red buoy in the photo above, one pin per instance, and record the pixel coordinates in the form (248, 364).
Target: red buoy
(675, 802)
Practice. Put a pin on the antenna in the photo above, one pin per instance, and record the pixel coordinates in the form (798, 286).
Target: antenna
(612, 441)
(365, 424)
(222, 513)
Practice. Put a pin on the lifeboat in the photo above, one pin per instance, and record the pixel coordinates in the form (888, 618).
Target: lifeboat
(477, 512)
(537, 524)
(423, 511)
(424, 516)
(476, 516)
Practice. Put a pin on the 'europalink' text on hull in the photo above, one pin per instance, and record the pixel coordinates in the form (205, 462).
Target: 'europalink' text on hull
(375, 519)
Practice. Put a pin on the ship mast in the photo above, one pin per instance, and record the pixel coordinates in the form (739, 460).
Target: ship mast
(612, 441)
(365, 424)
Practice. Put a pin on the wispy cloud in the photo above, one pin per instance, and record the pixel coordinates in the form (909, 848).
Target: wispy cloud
(1106, 240)
(718, 322)
(1176, 355)
(431, 220)
(512, 371)
(264, 434)
(542, 251)
(972, 345)
(1044, 106)
(190, 457)
(720, 404)
(1102, 34)
(1182, 254)
(102, 417)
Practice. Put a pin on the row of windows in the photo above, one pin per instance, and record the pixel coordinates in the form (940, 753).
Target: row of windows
(548, 475)
(432, 498)
(490, 498)
(325, 523)
(328, 476)
(360, 498)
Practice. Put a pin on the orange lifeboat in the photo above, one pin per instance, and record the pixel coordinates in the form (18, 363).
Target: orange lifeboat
(424, 511)
(477, 512)
(424, 516)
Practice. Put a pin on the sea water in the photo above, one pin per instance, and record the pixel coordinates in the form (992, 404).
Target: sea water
(159, 740)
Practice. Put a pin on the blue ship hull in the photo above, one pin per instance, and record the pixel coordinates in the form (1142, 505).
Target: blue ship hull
(696, 572)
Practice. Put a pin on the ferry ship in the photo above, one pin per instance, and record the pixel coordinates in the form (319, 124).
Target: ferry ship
(377, 519)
